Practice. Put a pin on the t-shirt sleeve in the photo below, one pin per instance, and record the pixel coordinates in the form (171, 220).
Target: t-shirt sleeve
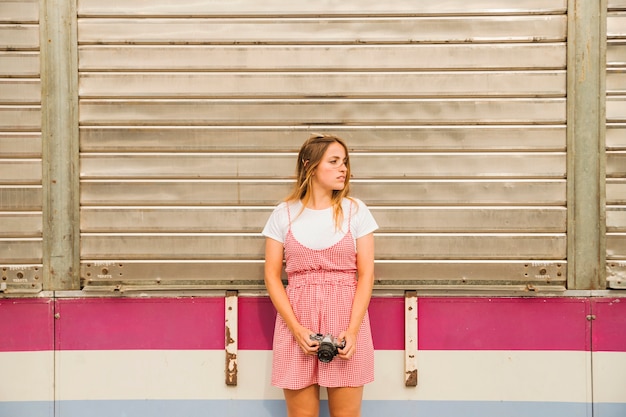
(365, 222)
(276, 226)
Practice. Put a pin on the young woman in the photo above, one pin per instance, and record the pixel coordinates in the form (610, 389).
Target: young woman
(326, 239)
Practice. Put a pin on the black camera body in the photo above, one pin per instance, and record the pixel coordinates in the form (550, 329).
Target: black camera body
(328, 345)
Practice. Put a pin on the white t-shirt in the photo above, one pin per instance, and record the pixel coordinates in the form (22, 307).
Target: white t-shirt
(315, 229)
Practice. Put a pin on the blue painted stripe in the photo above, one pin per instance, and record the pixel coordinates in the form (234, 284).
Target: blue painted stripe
(26, 409)
(609, 410)
(276, 408)
(476, 409)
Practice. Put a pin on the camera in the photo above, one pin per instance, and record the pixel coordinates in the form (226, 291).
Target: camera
(328, 346)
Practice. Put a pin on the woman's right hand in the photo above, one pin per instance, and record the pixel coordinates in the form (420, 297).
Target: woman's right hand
(303, 338)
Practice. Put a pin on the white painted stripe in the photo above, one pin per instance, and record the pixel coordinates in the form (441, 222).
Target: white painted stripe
(609, 377)
(487, 376)
(442, 376)
(26, 376)
(145, 374)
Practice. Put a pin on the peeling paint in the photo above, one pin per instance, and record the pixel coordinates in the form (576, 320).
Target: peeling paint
(411, 378)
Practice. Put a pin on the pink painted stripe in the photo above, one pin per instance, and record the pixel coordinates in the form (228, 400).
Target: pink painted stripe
(454, 323)
(609, 325)
(26, 325)
(198, 323)
(504, 324)
(125, 323)
(256, 318)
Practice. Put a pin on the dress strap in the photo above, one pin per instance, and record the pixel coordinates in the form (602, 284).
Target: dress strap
(350, 216)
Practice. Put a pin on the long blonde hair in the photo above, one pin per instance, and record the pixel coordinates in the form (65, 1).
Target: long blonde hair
(309, 157)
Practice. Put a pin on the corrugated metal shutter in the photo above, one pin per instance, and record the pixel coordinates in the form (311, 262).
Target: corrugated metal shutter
(616, 144)
(20, 148)
(191, 115)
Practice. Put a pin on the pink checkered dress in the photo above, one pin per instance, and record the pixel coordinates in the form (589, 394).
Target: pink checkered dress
(321, 288)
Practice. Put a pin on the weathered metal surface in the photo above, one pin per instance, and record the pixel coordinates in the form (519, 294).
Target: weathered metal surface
(19, 36)
(616, 53)
(390, 219)
(323, 57)
(616, 246)
(404, 29)
(20, 118)
(362, 138)
(173, 219)
(312, 84)
(239, 246)
(456, 122)
(402, 274)
(372, 165)
(287, 7)
(470, 246)
(270, 192)
(114, 272)
(463, 192)
(467, 182)
(20, 171)
(448, 219)
(616, 81)
(19, 64)
(616, 164)
(616, 219)
(460, 165)
(20, 224)
(19, 11)
(20, 91)
(20, 279)
(616, 136)
(616, 274)
(316, 111)
(616, 109)
(20, 145)
(586, 110)
(616, 145)
(243, 246)
(20, 197)
(410, 338)
(616, 191)
(616, 25)
(231, 337)
(59, 132)
(616, 4)
(21, 250)
(461, 272)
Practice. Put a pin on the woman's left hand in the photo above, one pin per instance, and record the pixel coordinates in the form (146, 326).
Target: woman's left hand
(349, 347)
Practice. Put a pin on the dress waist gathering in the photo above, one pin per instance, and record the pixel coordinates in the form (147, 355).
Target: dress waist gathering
(322, 277)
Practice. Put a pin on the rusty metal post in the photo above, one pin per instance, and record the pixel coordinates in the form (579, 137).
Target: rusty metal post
(410, 338)
(59, 131)
(586, 127)
(231, 333)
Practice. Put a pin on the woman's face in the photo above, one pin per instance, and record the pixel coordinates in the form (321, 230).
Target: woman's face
(330, 173)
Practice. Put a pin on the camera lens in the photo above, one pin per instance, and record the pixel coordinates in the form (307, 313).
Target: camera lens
(326, 352)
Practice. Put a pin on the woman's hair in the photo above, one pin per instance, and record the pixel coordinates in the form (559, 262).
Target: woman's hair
(309, 157)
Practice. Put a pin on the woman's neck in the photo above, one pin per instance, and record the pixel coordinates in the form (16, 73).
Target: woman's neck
(319, 201)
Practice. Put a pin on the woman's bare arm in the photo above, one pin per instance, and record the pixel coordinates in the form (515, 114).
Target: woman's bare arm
(278, 295)
(364, 287)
